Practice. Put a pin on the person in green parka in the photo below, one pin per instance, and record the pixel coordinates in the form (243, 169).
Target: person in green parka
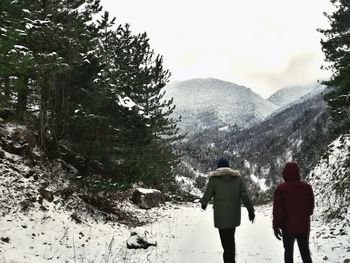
(228, 190)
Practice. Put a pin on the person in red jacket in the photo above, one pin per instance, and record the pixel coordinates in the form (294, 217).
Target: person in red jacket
(293, 205)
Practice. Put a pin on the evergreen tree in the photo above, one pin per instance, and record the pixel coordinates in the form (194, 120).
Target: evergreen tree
(131, 76)
(41, 51)
(336, 47)
(94, 84)
(16, 59)
(145, 79)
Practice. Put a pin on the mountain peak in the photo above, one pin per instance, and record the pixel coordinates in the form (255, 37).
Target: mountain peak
(207, 81)
(290, 94)
(212, 103)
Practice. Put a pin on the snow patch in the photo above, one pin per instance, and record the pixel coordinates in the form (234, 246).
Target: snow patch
(260, 182)
(247, 164)
(224, 129)
(147, 191)
(187, 184)
(140, 238)
(126, 102)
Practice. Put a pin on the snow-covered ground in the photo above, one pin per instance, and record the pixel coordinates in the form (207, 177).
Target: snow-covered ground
(184, 233)
(33, 231)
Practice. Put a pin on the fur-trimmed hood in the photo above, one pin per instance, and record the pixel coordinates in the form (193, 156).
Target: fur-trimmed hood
(225, 173)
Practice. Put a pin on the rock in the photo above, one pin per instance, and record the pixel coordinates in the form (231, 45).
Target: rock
(147, 198)
(20, 148)
(5, 239)
(29, 174)
(36, 177)
(140, 238)
(25, 205)
(46, 194)
(5, 113)
(347, 260)
(76, 218)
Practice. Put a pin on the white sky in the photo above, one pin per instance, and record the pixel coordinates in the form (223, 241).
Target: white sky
(264, 45)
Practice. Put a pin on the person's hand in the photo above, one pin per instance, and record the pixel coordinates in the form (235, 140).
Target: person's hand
(251, 216)
(204, 206)
(278, 233)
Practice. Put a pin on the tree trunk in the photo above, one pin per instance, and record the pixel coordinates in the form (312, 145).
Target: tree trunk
(22, 96)
(43, 122)
(7, 88)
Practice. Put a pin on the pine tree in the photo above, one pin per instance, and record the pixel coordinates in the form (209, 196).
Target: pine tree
(94, 84)
(336, 47)
(16, 60)
(55, 35)
(142, 79)
(133, 77)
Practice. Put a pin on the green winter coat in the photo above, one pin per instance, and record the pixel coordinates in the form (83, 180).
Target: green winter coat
(228, 190)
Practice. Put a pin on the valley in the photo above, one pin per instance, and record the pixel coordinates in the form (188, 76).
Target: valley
(299, 130)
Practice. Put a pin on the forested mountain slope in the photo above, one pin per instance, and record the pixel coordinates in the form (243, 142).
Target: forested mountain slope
(290, 94)
(212, 103)
(300, 132)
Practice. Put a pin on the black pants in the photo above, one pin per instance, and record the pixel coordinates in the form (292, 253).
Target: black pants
(227, 237)
(303, 244)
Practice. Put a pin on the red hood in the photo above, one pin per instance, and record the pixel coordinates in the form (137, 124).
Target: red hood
(291, 172)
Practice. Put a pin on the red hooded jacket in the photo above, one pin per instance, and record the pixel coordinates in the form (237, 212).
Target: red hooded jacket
(293, 202)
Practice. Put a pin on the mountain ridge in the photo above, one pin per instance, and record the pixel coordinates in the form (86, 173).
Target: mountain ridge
(213, 103)
(299, 132)
(290, 94)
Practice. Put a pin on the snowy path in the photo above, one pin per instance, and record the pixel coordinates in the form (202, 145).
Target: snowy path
(187, 235)
(184, 233)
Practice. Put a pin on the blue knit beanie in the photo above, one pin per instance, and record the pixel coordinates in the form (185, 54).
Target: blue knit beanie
(222, 162)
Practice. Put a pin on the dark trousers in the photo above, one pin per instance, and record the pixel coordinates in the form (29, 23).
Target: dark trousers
(227, 237)
(303, 244)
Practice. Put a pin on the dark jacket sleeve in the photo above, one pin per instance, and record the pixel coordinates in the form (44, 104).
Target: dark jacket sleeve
(209, 192)
(277, 210)
(245, 197)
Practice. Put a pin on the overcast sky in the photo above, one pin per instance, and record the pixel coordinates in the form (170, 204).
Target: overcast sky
(264, 45)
